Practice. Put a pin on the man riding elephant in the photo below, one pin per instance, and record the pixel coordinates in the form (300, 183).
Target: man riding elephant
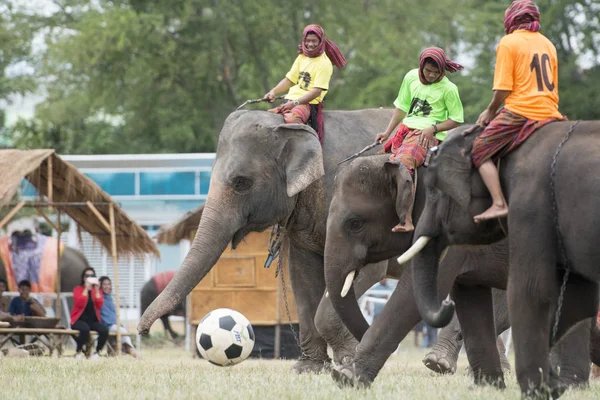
(308, 80)
(428, 105)
(526, 81)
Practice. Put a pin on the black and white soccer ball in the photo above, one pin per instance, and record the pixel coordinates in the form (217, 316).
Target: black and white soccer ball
(225, 337)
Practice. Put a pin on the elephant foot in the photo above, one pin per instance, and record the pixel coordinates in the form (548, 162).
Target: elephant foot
(306, 365)
(346, 376)
(439, 363)
(494, 380)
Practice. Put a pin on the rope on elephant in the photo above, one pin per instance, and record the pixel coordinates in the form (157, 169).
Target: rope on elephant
(559, 238)
(275, 245)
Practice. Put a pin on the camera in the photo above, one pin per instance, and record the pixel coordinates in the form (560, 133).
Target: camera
(92, 280)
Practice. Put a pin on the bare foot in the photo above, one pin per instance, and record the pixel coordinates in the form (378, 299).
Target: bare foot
(406, 227)
(491, 213)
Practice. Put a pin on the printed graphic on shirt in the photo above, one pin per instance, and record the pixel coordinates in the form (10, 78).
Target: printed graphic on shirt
(304, 80)
(418, 106)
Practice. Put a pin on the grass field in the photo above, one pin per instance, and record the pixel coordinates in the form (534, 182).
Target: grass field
(169, 372)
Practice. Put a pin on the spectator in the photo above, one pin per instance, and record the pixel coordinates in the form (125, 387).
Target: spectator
(385, 285)
(108, 314)
(85, 315)
(26, 305)
(4, 301)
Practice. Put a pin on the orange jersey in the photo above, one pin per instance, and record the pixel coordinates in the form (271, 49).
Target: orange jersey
(527, 65)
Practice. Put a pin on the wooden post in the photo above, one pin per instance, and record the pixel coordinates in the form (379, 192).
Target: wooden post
(113, 249)
(11, 214)
(277, 350)
(50, 174)
(58, 288)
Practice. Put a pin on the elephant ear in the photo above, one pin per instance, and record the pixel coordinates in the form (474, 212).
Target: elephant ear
(402, 183)
(302, 156)
(453, 169)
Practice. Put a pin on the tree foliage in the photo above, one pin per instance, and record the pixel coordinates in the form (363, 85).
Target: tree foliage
(136, 76)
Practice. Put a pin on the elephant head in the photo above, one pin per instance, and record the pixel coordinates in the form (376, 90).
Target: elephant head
(454, 193)
(261, 166)
(361, 215)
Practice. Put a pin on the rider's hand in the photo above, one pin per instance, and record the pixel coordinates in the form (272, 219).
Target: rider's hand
(288, 105)
(382, 137)
(270, 96)
(426, 138)
(485, 117)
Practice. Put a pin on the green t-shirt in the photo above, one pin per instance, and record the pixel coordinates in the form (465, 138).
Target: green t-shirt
(426, 105)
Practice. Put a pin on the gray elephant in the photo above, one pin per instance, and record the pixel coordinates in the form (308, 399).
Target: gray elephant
(551, 187)
(362, 214)
(268, 173)
(151, 290)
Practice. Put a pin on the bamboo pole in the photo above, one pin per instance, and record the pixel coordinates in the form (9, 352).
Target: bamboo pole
(50, 174)
(58, 288)
(99, 216)
(11, 214)
(113, 239)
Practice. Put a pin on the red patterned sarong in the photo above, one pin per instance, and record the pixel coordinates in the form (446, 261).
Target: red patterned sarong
(297, 115)
(405, 148)
(504, 134)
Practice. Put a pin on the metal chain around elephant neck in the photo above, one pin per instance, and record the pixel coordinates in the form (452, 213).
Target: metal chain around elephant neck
(559, 238)
(275, 251)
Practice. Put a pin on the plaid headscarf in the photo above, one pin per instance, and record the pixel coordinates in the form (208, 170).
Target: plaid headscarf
(522, 14)
(325, 45)
(438, 55)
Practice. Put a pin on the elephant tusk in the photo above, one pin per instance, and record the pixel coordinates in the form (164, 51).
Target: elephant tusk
(327, 294)
(348, 283)
(414, 249)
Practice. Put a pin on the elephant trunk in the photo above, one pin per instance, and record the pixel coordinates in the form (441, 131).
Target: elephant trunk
(424, 270)
(342, 295)
(215, 231)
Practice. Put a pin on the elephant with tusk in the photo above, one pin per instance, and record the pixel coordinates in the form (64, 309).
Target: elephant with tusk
(361, 215)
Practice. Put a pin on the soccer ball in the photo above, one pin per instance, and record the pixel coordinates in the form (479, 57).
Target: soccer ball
(225, 337)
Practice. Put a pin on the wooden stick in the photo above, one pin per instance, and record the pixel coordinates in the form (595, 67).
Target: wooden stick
(113, 239)
(11, 214)
(99, 216)
(52, 224)
(58, 289)
(50, 185)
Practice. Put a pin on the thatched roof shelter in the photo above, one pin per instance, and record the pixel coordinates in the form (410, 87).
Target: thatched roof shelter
(181, 229)
(73, 193)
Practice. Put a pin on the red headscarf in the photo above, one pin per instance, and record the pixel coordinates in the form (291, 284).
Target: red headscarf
(325, 45)
(522, 14)
(439, 56)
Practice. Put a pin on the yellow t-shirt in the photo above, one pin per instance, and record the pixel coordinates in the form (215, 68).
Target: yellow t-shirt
(308, 73)
(527, 65)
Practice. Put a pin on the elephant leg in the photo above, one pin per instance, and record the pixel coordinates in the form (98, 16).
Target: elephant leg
(571, 355)
(474, 308)
(398, 317)
(532, 292)
(308, 284)
(444, 353)
(502, 323)
(329, 324)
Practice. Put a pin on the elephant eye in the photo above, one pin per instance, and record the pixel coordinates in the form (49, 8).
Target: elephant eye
(241, 183)
(355, 225)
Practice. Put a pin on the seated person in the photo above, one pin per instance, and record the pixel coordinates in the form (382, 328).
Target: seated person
(85, 315)
(308, 80)
(25, 304)
(108, 314)
(4, 301)
(428, 105)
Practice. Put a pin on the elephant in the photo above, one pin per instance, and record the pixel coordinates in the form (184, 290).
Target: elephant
(552, 210)
(151, 290)
(267, 173)
(361, 215)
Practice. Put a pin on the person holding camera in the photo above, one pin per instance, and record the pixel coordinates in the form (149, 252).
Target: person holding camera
(25, 305)
(85, 315)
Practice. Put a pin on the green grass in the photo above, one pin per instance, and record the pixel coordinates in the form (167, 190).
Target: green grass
(171, 373)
